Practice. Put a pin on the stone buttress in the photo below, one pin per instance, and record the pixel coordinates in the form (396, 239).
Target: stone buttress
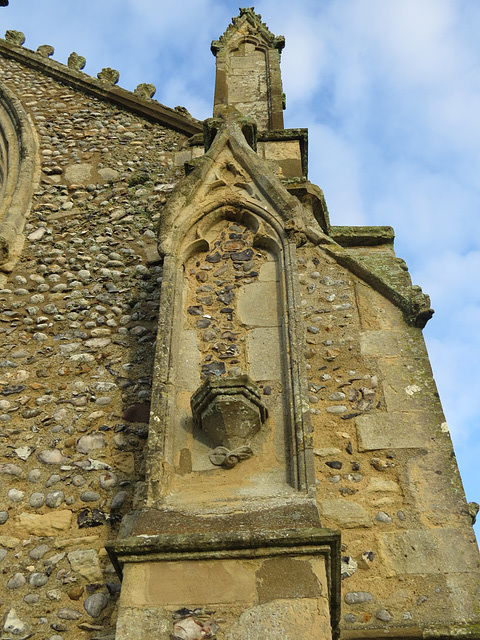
(292, 392)
(203, 375)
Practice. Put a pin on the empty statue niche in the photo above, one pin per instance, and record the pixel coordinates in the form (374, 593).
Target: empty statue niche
(231, 351)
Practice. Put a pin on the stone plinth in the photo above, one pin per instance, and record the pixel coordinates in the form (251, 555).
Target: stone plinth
(281, 585)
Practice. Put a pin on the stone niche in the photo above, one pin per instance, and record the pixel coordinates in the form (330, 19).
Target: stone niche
(227, 378)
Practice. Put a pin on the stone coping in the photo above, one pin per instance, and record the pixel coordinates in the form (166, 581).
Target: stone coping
(352, 236)
(150, 109)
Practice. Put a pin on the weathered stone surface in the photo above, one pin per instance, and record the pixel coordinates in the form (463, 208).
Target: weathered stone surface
(76, 62)
(260, 341)
(378, 485)
(9, 542)
(189, 355)
(79, 173)
(429, 552)
(229, 410)
(396, 430)
(286, 578)
(49, 524)
(86, 563)
(408, 385)
(257, 304)
(229, 581)
(145, 90)
(282, 620)
(345, 513)
(384, 343)
(14, 37)
(109, 175)
(45, 50)
(108, 75)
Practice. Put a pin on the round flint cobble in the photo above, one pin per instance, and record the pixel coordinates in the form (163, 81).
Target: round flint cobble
(17, 581)
(384, 615)
(38, 579)
(15, 495)
(358, 597)
(54, 499)
(37, 500)
(68, 614)
(90, 496)
(38, 552)
(383, 517)
(95, 604)
(118, 500)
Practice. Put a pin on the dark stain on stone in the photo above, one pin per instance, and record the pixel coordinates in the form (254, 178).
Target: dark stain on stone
(286, 578)
(185, 464)
(137, 413)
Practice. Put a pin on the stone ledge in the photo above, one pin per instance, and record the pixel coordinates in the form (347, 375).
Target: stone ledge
(350, 236)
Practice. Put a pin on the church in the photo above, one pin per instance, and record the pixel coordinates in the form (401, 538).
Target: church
(217, 413)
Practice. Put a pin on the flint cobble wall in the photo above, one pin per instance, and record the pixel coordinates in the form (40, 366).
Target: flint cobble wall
(78, 318)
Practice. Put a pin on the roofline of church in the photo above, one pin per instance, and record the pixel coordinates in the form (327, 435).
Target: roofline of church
(150, 109)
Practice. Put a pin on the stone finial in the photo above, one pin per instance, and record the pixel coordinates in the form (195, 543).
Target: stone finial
(184, 111)
(3, 3)
(15, 37)
(45, 50)
(76, 62)
(248, 71)
(108, 75)
(145, 90)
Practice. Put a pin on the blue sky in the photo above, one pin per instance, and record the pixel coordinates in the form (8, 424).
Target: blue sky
(390, 92)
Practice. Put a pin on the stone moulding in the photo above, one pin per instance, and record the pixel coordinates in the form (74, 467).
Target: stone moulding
(19, 167)
(241, 545)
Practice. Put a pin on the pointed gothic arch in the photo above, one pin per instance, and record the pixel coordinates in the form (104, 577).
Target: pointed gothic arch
(19, 172)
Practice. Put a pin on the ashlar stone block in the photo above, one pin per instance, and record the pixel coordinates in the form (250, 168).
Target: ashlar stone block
(398, 430)
(263, 345)
(437, 551)
(257, 304)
